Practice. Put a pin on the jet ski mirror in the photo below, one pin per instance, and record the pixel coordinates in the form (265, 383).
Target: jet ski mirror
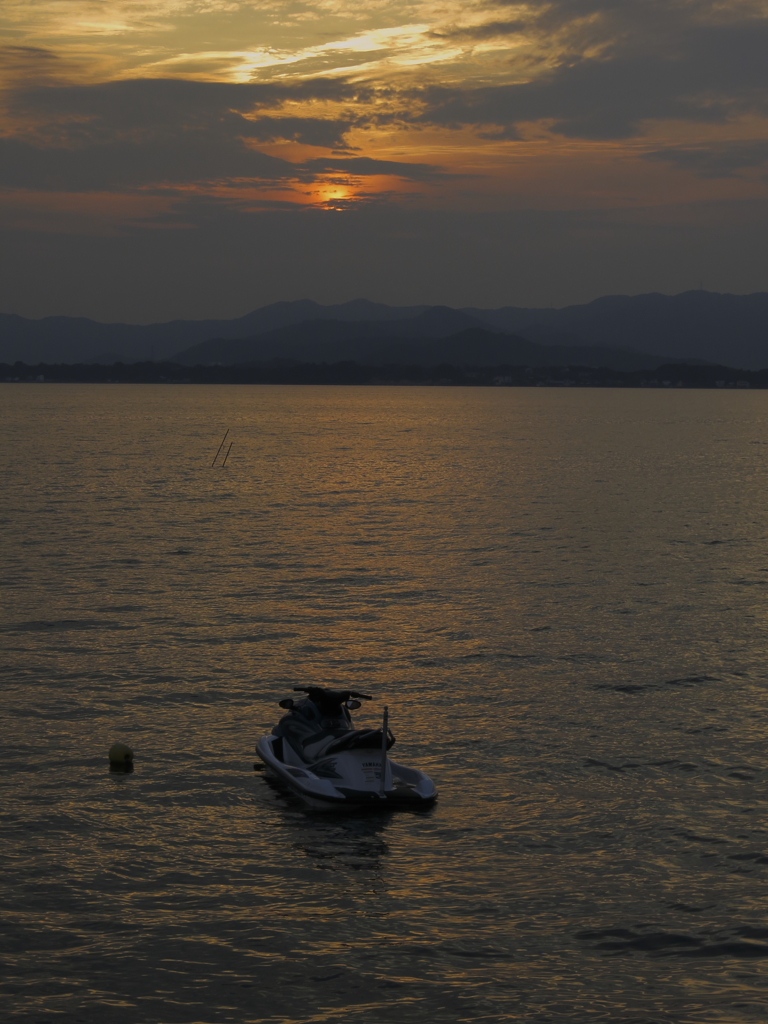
(286, 703)
(353, 705)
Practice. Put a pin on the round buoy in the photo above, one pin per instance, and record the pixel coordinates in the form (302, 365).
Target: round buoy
(120, 757)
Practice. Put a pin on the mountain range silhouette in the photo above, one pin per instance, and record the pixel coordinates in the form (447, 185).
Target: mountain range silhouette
(620, 332)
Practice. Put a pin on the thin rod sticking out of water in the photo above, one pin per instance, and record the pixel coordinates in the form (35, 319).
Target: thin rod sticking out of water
(219, 450)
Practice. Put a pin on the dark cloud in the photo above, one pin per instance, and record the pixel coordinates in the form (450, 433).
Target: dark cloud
(197, 158)
(310, 131)
(716, 160)
(366, 166)
(601, 68)
(181, 159)
(720, 74)
(202, 157)
(565, 31)
(33, 58)
(488, 30)
(30, 64)
(145, 106)
(626, 25)
(155, 131)
(143, 132)
(142, 102)
(508, 132)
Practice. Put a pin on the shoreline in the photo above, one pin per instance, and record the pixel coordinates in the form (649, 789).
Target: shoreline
(665, 376)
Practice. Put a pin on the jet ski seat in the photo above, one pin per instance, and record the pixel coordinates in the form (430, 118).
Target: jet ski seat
(360, 739)
(323, 743)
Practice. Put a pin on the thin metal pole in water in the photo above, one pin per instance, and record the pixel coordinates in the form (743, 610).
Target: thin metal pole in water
(384, 724)
(227, 455)
(220, 447)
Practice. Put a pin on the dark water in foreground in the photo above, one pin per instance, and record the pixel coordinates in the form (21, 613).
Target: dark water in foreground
(560, 594)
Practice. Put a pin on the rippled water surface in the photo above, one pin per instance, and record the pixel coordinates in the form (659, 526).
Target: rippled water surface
(560, 594)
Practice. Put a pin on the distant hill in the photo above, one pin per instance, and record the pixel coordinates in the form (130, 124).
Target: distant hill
(726, 329)
(327, 341)
(478, 347)
(377, 344)
(69, 339)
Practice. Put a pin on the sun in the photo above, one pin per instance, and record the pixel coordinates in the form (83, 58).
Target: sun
(333, 195)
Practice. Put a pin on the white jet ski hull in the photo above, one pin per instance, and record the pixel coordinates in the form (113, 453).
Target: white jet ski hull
(349, 780)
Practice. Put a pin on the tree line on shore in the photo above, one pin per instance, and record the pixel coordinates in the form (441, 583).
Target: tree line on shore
(286, 372)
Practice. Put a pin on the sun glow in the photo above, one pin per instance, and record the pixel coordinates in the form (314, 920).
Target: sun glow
(332, 195)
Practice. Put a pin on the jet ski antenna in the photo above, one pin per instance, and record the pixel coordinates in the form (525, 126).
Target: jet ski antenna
(384, 726)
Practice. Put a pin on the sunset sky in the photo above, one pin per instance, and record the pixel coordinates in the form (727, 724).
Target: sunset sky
(195, 158)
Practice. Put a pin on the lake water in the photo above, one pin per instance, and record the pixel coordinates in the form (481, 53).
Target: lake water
(560, 594)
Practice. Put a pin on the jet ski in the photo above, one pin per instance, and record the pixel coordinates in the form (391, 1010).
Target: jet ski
(315, 750)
